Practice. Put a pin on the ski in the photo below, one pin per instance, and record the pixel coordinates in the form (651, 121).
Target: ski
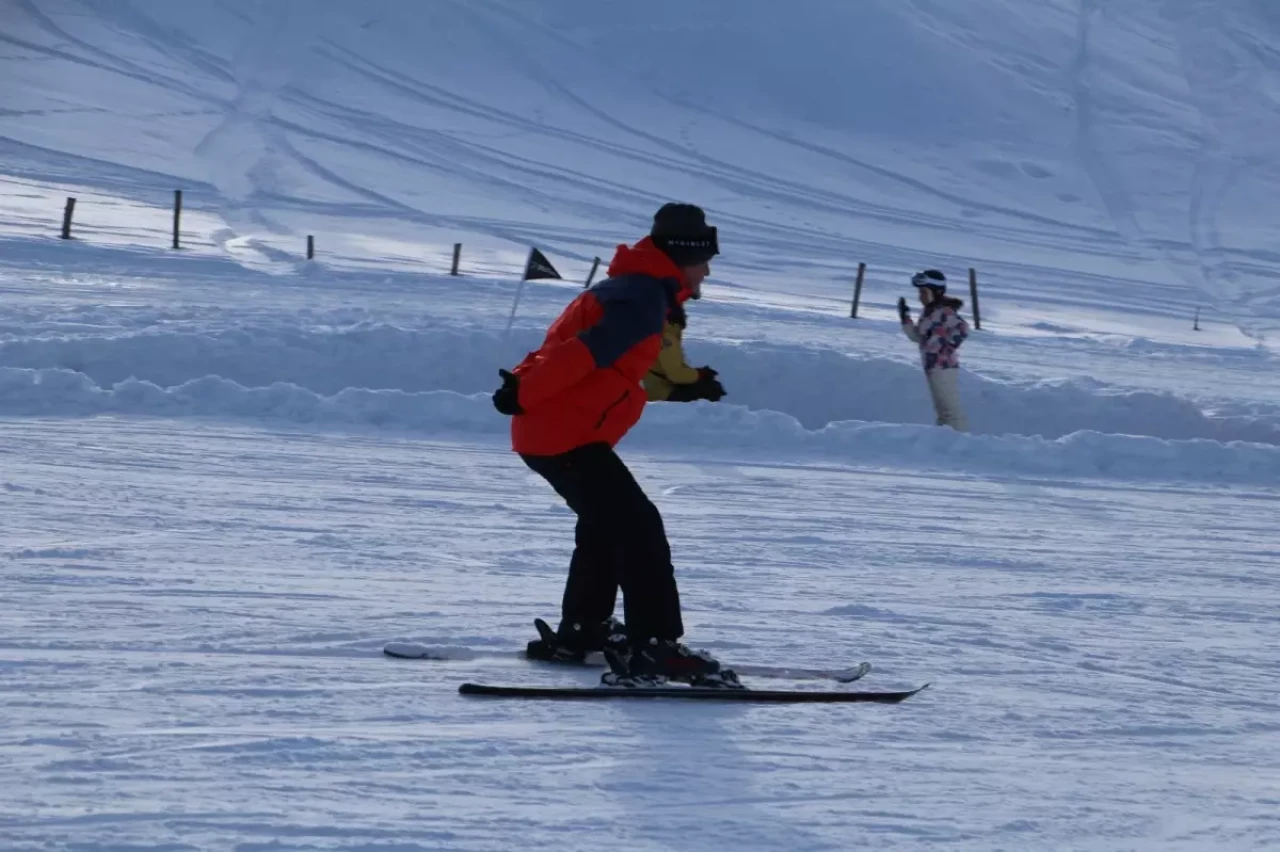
(775, 696)
(415, 651)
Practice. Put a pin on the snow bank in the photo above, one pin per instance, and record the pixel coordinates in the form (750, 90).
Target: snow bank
(702, 428)
(815, 386)
(1083, 454)
(325, 361)
(821, 386)
(58, 392)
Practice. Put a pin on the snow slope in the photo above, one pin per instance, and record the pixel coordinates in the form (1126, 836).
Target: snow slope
(229, 476)
(1090, 160)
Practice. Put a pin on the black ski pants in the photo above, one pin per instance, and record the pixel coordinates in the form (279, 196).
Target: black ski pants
(620, 541)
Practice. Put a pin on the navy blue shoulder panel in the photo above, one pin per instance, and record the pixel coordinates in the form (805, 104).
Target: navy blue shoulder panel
(635, 307)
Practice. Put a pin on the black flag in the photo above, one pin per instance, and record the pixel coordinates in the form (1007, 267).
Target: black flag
(539, 267)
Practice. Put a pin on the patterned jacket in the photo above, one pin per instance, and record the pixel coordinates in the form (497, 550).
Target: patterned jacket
(939, 332)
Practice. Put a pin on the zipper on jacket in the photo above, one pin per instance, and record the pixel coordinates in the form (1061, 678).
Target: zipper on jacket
(611, 407)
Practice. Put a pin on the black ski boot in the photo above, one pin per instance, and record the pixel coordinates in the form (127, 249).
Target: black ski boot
(659, 661)
(572, 643)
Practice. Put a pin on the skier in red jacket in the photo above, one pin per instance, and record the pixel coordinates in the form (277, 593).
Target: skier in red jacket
(571, 401)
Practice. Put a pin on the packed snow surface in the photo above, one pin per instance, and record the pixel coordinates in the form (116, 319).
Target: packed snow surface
(229, 476)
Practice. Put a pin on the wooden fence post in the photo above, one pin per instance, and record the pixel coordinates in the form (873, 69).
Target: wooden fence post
(66, 218)
(857, 291)
(973, 296)
(592, 275)
(457, 256)
(311, 247)
(177, 216)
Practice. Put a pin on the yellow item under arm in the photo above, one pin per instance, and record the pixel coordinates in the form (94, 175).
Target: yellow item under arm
(671, 359)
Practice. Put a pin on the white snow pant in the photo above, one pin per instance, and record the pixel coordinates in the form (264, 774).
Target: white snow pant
(944, 387)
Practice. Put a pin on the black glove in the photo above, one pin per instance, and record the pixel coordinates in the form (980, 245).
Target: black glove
(904, 313)
(507, 398)
(709, 386)
(683, 393)
(706, 387)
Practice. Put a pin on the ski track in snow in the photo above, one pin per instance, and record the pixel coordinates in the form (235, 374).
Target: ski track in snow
(241, 583)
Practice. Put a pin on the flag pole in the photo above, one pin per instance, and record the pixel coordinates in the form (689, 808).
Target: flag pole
(524, 276)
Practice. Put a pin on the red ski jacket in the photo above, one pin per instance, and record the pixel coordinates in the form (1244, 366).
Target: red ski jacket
(582, 385)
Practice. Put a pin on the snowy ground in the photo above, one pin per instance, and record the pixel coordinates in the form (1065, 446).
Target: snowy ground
(228, 476)
(196, 614)
(200, 574)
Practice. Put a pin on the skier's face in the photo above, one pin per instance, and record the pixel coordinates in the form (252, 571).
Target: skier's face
(926, 295)
(693, 277)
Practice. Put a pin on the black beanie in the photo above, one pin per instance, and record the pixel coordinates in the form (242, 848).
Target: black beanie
(682, 233)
